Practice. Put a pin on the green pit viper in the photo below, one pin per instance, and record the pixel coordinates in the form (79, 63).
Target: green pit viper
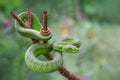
(56, 48)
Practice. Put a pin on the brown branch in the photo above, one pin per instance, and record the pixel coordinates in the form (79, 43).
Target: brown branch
(45, 20)
(63, 71)
(18, 19)
(29, 20)
(29, 23)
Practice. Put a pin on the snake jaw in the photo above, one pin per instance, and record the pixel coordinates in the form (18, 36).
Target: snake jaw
(70, 49)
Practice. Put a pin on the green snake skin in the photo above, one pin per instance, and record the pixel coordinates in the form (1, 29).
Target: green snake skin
(34, 31)
(68, 45)
(32, 54)
(42, 66)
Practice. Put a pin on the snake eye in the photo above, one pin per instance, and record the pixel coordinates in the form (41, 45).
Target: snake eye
(73, 48)
(70, 49)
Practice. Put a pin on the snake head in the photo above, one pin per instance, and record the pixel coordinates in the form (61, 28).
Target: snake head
(76, 43)
(70, 49)
(70, 40)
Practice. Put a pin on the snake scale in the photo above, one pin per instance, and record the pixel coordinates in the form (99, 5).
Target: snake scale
(67, 44)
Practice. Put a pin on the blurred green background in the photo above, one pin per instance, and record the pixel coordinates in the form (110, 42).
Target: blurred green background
(95, 22)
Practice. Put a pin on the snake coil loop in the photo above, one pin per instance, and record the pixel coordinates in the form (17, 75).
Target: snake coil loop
(39, 65)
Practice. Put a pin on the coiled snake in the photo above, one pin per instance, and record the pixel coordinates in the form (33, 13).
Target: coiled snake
(56, 48)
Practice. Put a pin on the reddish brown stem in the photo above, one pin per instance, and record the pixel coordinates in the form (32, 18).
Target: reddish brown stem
(63, 71)
(29, 16)
(28, 22)
(45, 20)
(18, 19)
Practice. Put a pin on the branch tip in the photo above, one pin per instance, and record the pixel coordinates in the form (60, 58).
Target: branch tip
(45, 20)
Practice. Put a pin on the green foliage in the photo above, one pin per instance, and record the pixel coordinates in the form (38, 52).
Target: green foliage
(100, 58)
(7, 5)
(110, 10)
(102, 10)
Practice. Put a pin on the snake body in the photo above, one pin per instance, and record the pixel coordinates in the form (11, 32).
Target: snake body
(35, 27)
(35, 50)
(43, 66)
